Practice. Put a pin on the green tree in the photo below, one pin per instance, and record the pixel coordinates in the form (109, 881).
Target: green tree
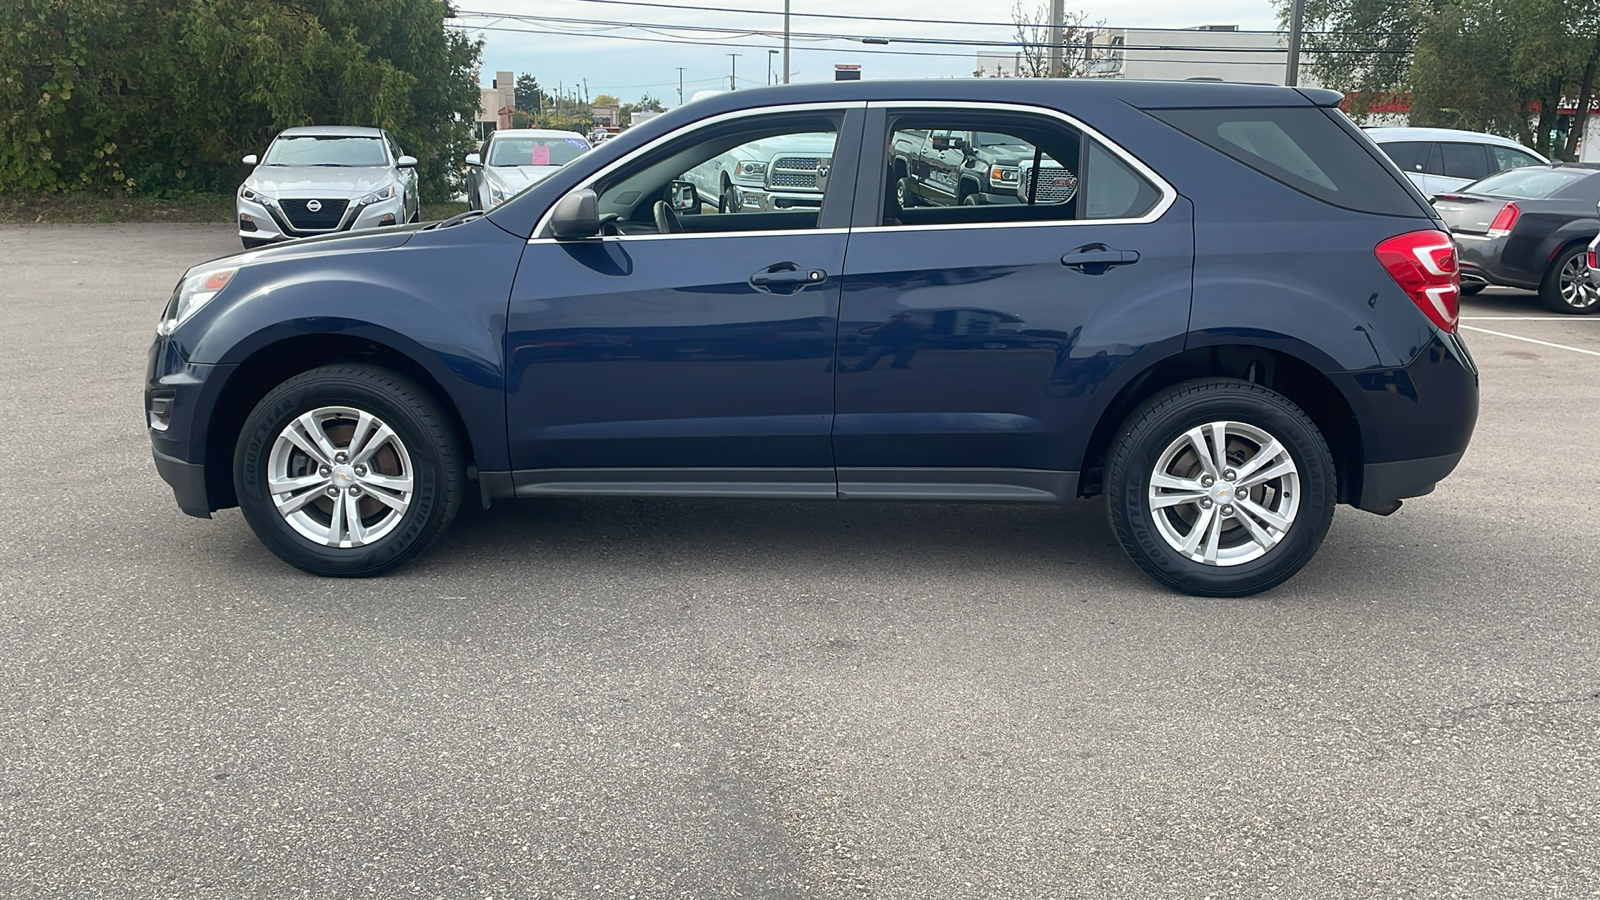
(166, 95)
(529, 97)
(1502, 66)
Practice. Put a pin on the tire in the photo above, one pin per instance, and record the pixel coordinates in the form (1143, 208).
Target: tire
(332, 400)
(1244, 560)
(1467, 290)
(969, 200)
(1566, 287)
(903, 195)
(728, 202)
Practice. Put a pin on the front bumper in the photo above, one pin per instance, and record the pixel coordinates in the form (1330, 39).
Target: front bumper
(756, 199)
(178, 399)
(264, 220)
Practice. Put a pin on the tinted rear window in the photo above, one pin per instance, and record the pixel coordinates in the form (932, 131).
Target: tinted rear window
(1532, 183)
(1302, 147)
(1410, 156)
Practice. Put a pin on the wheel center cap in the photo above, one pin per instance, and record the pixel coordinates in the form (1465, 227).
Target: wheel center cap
(344, 476)
(1224, 491)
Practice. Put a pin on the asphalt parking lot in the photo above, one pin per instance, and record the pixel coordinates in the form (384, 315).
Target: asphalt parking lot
(698, 699)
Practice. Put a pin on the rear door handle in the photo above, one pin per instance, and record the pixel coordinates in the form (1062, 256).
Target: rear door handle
(1097, 259)
(786, 275)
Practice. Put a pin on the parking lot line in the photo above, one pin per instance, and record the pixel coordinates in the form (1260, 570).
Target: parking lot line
(1518, 337)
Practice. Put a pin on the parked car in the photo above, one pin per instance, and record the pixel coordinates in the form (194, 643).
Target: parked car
(511, 160)
(326, 179)
(940, 167)
(775, 173)
(1529, 228)
(1242, 319)
(1444, 159)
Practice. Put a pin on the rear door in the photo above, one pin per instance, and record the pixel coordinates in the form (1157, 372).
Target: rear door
(974, 340)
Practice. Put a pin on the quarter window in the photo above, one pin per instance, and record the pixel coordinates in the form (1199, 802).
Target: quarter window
(1512, 158)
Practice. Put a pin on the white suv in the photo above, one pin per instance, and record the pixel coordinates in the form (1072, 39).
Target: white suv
(1438, 160)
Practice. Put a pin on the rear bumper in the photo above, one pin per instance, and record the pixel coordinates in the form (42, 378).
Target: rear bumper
(1384, 482)
(1484, 260)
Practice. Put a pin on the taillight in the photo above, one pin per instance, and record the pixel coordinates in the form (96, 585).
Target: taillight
(1423, 263)
(1593, 266)
(1504, 220)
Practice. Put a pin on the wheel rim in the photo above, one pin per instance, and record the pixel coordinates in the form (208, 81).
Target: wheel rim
(1576, 291)
(1224, 493)
(900, 193)
(340, 477)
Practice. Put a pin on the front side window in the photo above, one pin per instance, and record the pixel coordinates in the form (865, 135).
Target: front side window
(1410, 156)
(1005, 167)
(536, 151)
(759, 174)
(1464, 160)
(326, 150)
(1506, 158)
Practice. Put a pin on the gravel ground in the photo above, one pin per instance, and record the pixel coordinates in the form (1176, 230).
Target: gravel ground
(698, 699)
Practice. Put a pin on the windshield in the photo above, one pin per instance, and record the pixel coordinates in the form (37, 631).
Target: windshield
(326, 150)
(550, 151)
(1532, 183)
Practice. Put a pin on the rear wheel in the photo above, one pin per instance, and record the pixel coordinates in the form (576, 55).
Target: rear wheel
(904, 196)
(347, 470)
(1566, 287)
(1220, 488)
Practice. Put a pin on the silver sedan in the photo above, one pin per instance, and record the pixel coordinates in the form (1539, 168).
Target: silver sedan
(326, 179)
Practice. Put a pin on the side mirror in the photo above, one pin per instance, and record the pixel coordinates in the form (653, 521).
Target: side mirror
(406, 162)
(940, 144)
(685, 198)
(958, 143)
(576, 216)
(250, 160)
(474, 159)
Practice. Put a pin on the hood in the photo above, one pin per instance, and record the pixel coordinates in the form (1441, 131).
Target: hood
(512, 179)
(319, 181)
(819, 144)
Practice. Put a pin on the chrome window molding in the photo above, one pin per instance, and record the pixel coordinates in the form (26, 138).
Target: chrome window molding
(539, 231)
(627, 238)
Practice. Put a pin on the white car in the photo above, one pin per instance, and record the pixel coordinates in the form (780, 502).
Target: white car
(1439, 160)
(513, 159)
(325, 179)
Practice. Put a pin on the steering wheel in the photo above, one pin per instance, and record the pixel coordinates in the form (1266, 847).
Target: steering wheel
(667, 221)
(608, 224)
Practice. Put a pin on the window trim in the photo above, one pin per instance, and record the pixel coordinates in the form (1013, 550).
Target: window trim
(541, 231)
(1169, 194)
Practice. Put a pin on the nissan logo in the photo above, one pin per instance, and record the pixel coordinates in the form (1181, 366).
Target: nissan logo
(314, 205)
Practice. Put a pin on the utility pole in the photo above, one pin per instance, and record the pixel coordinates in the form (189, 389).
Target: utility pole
(1058, 19)
(733, 76)
(785, 41)
(680, 85)
(1297, 15)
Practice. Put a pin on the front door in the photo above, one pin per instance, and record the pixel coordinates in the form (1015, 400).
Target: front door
(685, 351)
(977, 343)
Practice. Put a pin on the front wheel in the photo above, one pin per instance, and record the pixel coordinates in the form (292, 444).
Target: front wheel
(1220, 488)
(347, 470)
(1566, 287)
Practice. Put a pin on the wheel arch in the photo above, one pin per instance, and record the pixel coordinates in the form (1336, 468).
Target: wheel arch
(1300, 382)
(272, 363)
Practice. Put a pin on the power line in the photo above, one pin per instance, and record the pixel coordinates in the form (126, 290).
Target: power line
(862, 18)
(1006, 45)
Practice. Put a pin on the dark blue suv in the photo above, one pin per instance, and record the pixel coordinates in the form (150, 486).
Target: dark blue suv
(1236, 314)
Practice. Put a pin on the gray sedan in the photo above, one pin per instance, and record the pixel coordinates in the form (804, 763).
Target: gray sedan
(513, 159)
(325, 179)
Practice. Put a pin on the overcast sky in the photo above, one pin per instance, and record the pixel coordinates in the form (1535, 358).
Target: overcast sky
(594, 50)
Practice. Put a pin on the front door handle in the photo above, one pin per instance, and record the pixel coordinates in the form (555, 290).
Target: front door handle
(786, 277)
(1097, 259)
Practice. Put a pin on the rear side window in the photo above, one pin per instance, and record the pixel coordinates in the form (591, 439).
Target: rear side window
(1410, 156)
(1464, 160)
(1302, 147)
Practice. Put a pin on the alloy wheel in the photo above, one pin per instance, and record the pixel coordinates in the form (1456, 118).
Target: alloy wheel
(340, 477)
(1224, 493)
(1576, 289)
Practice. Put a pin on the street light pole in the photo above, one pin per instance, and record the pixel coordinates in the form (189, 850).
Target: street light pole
(680, 85)
(785, 41)
(733, 76)
(1297, 14)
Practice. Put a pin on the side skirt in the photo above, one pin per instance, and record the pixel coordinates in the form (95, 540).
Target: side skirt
(936, 485)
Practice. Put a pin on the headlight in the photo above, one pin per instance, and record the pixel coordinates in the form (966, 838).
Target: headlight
(1004, 174)
(385, 194)
(753, 172)
(193, 292)
(496, 195)
(247, 193)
